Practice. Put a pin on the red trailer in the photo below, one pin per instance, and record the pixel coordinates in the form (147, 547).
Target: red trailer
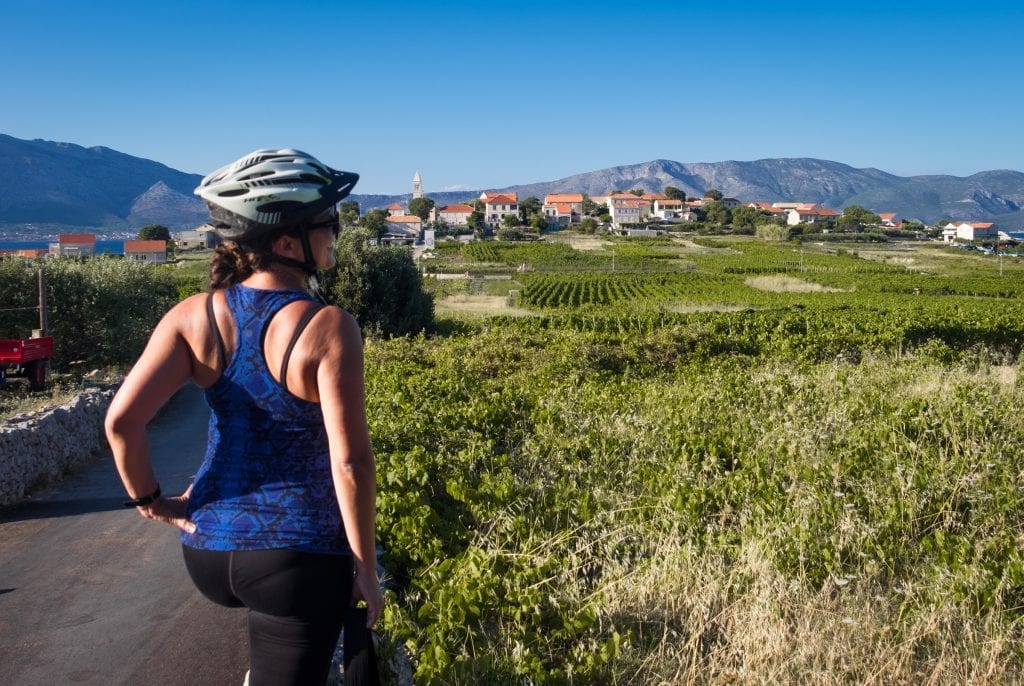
(29, 357)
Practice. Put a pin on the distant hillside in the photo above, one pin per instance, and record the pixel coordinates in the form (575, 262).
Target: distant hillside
(52, 186)
(60, 184)
(987, 196)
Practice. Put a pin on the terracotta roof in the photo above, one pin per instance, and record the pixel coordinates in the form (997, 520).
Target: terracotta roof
(654, 196)
(887, 216)
(144, 246)
(980, 225)
(460, 209)
(500, 200)
(668, 202)
(563, 207)
(623, 196)
(395, 206)
(403, 219)
(552, 198)
(487, 195)
(77, 239)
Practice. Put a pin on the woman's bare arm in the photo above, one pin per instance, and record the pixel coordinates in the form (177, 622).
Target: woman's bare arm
(340, 385)
(165, 365)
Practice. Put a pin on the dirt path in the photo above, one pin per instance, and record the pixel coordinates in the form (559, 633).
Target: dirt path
(90, 593)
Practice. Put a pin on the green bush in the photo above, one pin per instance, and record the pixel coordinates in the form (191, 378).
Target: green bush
(380, 286)
(101, 310)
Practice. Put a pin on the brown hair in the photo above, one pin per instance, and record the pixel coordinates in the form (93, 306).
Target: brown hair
(233, 264)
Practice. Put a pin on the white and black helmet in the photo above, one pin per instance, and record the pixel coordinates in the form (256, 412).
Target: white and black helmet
(272, 189)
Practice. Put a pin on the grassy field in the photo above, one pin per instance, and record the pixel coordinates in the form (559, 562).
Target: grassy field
(724, 462)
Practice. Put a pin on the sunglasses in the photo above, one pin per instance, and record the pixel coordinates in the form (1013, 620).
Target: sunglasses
(332, 224)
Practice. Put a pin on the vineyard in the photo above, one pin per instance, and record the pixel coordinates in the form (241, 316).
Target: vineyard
(689, 470)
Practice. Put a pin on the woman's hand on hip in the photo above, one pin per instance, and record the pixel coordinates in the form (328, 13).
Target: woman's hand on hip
(173, 511)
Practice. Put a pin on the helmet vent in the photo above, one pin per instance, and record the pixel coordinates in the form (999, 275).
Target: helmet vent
(312, 178)
(255, 175)
(233, 192)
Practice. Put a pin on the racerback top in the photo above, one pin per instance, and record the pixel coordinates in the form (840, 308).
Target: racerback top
(266, 479)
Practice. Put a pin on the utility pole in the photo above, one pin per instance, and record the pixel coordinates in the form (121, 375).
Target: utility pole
(43, 313)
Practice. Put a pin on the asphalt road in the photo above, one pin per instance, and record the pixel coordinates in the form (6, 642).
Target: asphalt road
(91, 593)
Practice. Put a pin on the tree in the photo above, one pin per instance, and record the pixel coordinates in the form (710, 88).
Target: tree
(715, 212)
(588, 225)
(475, 221)
(379, 285)
(421, 207)
(538, 221)
(510, 220)
(855, 218)
(673, 193)
(747, 217)
(589, 206)
(713, 193)
(375, 221)
(638, 192)
(154, 232)
(529, 206)
(348, 213)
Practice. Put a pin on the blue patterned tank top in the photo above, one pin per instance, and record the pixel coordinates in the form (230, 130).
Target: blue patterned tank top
(266, 479)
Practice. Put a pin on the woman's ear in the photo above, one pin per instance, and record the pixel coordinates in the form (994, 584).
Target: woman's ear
(286, 246)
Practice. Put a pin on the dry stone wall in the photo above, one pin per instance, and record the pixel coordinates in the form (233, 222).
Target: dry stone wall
(39, 447)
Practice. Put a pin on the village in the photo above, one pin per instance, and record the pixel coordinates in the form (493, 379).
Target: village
(635, 213)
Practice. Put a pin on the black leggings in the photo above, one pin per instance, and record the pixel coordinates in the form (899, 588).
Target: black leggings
(297, 603)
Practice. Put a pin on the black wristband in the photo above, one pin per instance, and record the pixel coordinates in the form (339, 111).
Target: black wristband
(144, 500)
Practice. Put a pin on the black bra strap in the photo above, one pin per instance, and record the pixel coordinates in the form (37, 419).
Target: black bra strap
(221, 355)
(299, 328)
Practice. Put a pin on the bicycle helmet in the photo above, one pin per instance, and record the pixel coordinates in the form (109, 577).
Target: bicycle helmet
(272, 189)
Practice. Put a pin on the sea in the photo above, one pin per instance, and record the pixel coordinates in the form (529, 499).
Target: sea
(103, 246)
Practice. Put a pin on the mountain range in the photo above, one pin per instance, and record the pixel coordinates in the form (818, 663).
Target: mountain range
(47, 187)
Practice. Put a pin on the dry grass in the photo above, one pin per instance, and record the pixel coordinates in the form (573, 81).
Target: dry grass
(482, 305)
(787, 284)
(703, 620)
(587, 243)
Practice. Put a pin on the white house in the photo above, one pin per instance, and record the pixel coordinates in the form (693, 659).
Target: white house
(667, 209)
(455, 215)
(497, 207)
(74, 245)
(152, 252)
(626, 211)
(201, 237)
(810, 214)
(973, 231)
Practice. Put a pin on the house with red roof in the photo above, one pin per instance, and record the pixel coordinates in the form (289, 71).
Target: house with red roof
(151, 252)
(395, 210)
(627, 211)
(889, 221)
(972, 231)
(74, 245)
(809, 213)
(499, 206)
(667, 209)
(455, 215)
(563, 208)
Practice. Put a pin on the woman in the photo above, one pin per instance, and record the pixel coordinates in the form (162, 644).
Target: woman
(280, 517)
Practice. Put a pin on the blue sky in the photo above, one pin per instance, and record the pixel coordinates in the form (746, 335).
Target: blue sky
(478, 95)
